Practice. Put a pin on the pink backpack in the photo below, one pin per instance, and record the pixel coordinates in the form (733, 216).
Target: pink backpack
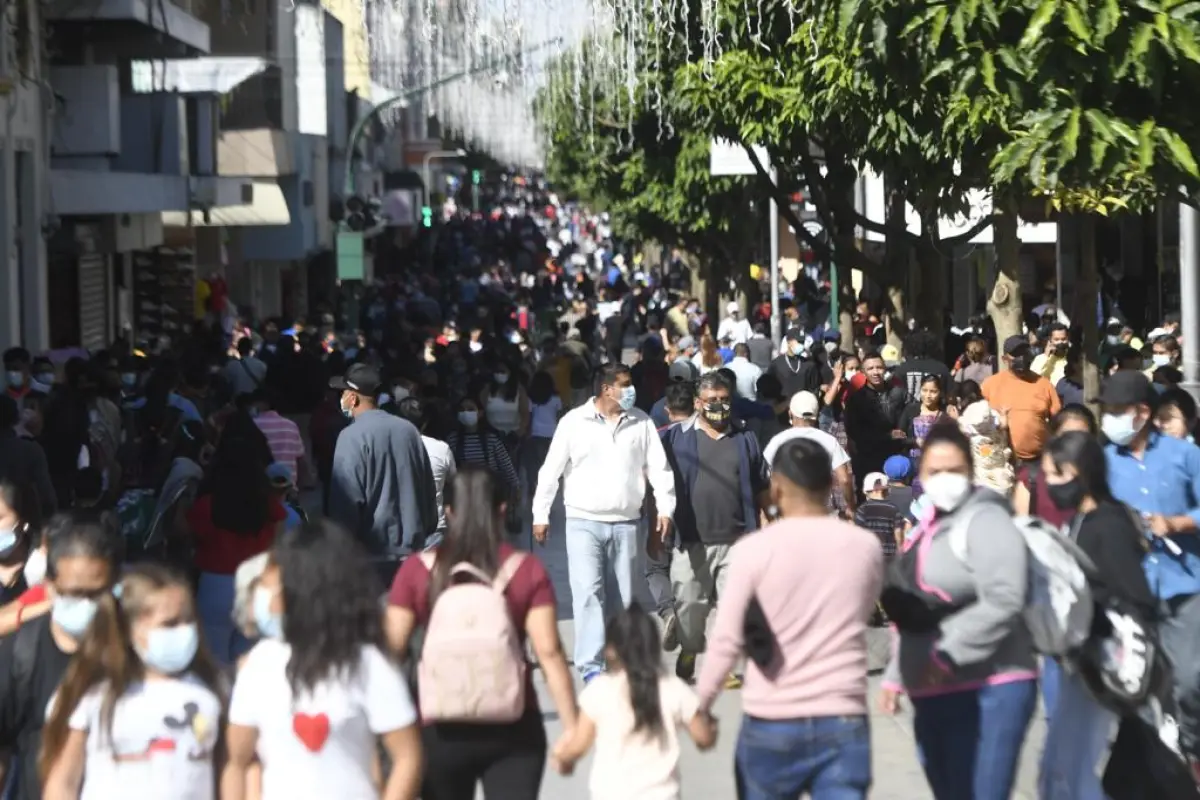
(472, 666)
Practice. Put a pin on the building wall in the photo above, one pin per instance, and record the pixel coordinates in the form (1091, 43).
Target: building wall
(355, 47)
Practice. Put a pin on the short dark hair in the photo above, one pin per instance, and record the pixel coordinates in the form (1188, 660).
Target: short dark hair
(948, 432)
(607, 375)
(806, 464)
(16, 355)
(871, 354)
(680, 397)
(920, 344)
(741, 350)
(84, 533)
(1180, 399)
(1057, 326)
(1077, 411)
(769, 387)
(717, 379)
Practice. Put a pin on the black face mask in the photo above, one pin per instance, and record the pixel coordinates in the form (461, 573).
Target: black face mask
(1060, 349)
(717, 414)
(1066, 496)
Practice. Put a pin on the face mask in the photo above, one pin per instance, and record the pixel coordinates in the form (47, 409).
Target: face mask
(1061, 348)
(500, 377)
(1112, 339)
(269, 624)
(1066, 496)
(947, 490)
(717, 414)
(1161, 360)
(832, 347)
(850, 373)
(16, 379)
(171, 650)
(73, 614)
(129, 380)
(399, 393)
(468, 419)
(795, 348)
(46, 378)
(8, 539)
(35, 568)
(628, 398)
(348, 413)
(1119, 428)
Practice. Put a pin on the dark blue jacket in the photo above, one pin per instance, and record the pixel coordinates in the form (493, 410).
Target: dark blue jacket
(679, 442)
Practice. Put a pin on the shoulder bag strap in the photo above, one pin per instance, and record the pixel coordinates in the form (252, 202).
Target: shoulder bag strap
(507, 570)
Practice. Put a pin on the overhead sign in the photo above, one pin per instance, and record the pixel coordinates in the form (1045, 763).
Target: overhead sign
(727, 158)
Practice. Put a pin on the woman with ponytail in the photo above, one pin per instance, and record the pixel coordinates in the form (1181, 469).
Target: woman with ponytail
(631, 714)
(138, 714)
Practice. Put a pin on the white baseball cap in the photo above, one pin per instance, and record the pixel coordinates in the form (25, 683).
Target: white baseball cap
(804, 405)
(873, 481)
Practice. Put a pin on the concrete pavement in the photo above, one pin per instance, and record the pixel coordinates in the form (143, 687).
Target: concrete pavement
(897, 772)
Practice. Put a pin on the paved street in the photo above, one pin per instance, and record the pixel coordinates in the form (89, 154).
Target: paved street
(897, 773)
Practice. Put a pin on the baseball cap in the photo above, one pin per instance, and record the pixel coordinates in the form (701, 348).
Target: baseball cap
(874, 480)
(795, 334)
(1014, 343)
(804, 405)
(1126, 388)
(890, 355)
(685, 342)
(361, 378)
(683, 371)
(279, 474)
(897, 467)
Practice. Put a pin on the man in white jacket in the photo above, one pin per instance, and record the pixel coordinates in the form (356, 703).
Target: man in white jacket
(604, 451)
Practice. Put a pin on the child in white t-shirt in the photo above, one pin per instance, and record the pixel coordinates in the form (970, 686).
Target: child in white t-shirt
(138, 714)
(631, 714)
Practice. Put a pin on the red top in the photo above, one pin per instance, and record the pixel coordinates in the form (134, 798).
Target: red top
(220, 551)
(33, 595)
(529, 588)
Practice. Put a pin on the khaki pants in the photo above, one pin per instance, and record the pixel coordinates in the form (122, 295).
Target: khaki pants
(697, 577)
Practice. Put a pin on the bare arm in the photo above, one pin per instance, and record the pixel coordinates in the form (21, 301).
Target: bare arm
(575, 742)
(846, 485)
(1020, 499)
(404, 748)
(240, 745)
(65, 778)
(398, 624)
(541, 626)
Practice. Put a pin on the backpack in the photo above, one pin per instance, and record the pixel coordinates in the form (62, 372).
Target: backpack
(472, 666)
(1058, 604)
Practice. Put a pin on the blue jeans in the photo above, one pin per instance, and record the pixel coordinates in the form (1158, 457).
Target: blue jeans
(1076, 740)
(592, 549)
(214, 606)
(970, 742)
(1051, 673)
(829, 758)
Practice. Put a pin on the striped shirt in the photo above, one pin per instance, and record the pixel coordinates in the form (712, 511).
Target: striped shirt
(483, 449)
(283, 436)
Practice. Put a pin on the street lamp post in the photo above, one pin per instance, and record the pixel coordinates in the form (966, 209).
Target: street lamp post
(425, 174)
(1189, 293)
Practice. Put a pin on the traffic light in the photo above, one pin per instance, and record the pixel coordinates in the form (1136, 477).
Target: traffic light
(426, 217)
(476, 176)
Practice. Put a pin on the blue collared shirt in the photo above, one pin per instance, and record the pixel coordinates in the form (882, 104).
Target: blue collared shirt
(1166, 480)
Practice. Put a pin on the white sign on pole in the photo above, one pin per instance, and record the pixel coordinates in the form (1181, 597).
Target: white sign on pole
(728, 158)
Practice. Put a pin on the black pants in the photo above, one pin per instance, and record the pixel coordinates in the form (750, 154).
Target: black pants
(507, 759)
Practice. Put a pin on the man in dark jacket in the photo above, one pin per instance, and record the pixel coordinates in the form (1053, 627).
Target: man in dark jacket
(873, 418)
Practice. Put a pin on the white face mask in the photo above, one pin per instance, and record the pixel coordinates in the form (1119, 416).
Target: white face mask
(399, 393)
(500, 377)
(1119, 428)
(947, 490)
(469, 419)
(850, 373)
(1161, 360)
(16, 378)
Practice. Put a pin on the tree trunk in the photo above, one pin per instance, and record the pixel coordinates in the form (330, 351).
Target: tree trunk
(930, 308)
(846, 326)
(1086, 287)
(894, 317)
(898, 263)
(1004, 303)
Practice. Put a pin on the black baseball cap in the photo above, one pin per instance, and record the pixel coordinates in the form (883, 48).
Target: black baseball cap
(1014, 343)
(361, 378)
(1127, 388)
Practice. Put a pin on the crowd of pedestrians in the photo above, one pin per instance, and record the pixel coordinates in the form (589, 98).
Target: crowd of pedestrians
(196, 538)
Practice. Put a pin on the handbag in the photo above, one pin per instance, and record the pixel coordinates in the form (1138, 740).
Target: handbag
(904, 599)
(758, 639)
(1141, 766)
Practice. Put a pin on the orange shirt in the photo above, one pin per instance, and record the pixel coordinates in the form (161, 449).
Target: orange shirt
(1030, 405)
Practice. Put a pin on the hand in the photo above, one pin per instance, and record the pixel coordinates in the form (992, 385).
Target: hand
(889, 701)
(1159, 525)
(663, 528)
(561, 764)
(839, 370)
(540, 532)
(1050, 350)
(952, 411)
(899, 435)
(654, 547)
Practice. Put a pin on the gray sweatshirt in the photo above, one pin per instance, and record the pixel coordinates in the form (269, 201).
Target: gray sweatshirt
(381, 487)
(986, 640)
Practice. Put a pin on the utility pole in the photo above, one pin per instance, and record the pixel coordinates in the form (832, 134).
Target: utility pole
(776, 318)
(1189, 295)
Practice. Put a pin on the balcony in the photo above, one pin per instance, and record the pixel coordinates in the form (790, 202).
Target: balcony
(126, 28)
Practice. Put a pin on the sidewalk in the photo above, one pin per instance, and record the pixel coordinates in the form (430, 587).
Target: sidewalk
(897, 772)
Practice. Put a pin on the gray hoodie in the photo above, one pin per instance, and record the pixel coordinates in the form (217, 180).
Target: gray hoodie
(985, 640)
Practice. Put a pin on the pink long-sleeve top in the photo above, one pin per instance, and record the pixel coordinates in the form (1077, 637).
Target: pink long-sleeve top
(817, 580)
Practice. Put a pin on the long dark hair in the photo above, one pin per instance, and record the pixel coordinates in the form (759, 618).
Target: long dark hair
(475, 525)
(237, 479)
(541, 388)
(106, 657)
(1083, 452)
(633, 637)
(509, 389)
(22, 497)
(330, 601)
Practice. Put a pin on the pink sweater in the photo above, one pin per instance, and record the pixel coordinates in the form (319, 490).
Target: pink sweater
(817, 580)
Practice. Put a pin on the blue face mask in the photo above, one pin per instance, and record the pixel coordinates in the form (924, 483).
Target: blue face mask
(269, 624)
(171, 650)
(73, 614)
(8, 539)
(628, 398)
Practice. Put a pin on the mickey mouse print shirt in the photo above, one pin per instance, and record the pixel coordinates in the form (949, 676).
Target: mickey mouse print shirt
(320, 744)
(164, 733)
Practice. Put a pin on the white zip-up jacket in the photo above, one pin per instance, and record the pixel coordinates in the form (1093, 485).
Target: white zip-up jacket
(604, 467)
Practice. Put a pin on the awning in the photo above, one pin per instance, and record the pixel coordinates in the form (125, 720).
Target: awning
(269, 207)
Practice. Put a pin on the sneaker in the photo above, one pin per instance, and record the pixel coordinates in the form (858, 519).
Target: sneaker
(733, 682)
(685, 667)
(591, 676)
(670, 637)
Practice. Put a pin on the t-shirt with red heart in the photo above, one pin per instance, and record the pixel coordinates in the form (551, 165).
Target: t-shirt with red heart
(319, 744)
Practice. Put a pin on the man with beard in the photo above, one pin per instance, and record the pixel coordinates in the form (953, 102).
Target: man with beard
(873, 418)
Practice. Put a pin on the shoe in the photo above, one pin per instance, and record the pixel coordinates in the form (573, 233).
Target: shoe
(733, 682)
(670, 637)
(685, 667)
(591, 676)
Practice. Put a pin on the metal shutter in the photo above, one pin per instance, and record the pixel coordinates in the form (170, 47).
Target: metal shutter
(93, 302)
